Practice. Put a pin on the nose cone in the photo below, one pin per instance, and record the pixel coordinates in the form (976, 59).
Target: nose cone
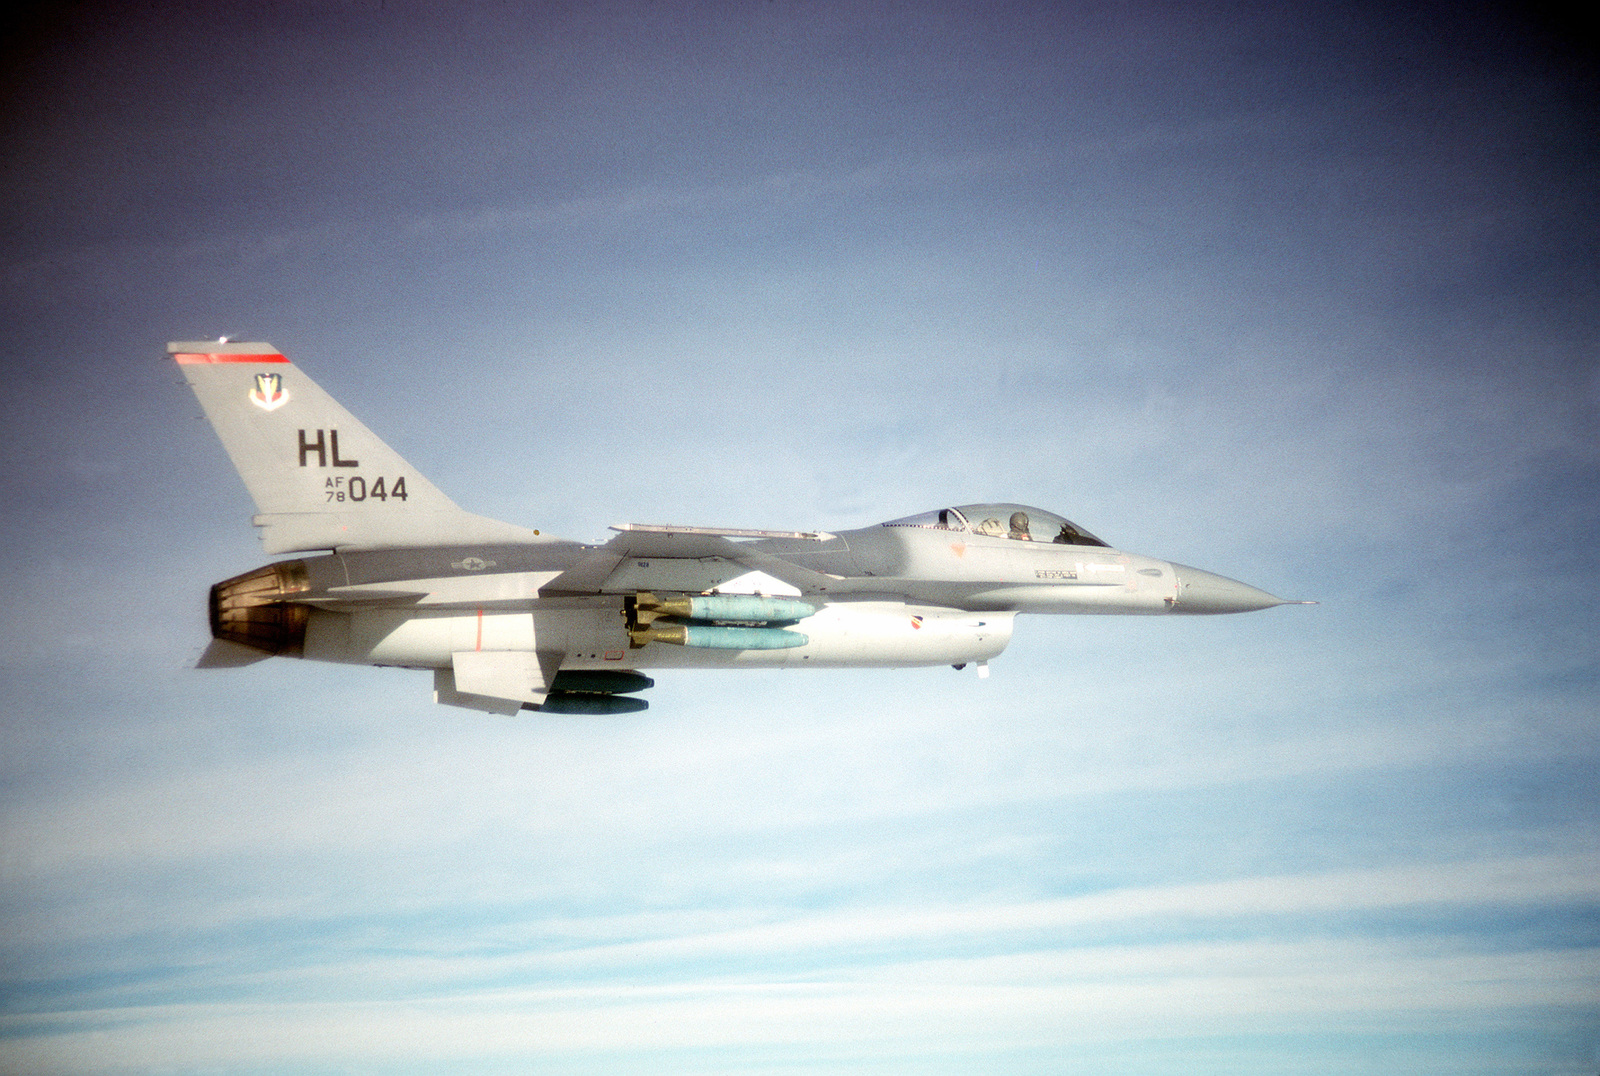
(1203, 592)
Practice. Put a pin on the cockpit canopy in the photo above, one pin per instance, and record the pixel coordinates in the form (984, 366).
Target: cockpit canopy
(1014, 521)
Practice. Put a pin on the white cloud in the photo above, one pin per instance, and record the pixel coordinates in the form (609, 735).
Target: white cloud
(1062, 1000)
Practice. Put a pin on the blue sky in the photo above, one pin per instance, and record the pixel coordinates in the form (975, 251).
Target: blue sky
(1306, 297)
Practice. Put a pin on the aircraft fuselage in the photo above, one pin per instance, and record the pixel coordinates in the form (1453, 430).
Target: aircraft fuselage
(508, 617)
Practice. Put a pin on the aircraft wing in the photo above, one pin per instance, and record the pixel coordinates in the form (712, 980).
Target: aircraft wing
(649, 557)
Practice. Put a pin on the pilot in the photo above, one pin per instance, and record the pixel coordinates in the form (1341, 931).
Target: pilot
(1019, 527)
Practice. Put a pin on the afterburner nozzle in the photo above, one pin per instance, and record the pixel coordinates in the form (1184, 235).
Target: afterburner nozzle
(257, 609)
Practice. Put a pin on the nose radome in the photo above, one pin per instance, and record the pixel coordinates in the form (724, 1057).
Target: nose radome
(1204, 592)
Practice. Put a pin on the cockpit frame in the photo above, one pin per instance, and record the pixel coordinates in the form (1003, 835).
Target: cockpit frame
(1017, 522)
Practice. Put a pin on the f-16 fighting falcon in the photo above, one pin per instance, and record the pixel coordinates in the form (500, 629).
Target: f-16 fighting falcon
(508, 618)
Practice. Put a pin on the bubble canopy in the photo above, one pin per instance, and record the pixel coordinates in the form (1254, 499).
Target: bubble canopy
(1015, 521)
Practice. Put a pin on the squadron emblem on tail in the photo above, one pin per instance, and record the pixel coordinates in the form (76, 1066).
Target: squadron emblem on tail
(269, 393)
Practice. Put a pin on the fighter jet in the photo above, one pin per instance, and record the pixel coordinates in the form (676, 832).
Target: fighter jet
(508, 618)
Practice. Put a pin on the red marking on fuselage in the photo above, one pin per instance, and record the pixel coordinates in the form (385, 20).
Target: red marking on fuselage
(480, 631)
(190, 358)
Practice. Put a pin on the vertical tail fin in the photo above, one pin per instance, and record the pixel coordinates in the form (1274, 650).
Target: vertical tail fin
(319, 477)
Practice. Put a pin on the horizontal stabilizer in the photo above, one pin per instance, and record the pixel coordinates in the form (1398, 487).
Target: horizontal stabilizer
(345, 597)
(222, 654)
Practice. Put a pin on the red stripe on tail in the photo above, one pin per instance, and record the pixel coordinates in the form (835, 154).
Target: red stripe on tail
(189, 358)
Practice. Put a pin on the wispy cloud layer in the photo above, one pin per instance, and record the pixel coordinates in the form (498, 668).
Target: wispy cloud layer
(985, 977)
